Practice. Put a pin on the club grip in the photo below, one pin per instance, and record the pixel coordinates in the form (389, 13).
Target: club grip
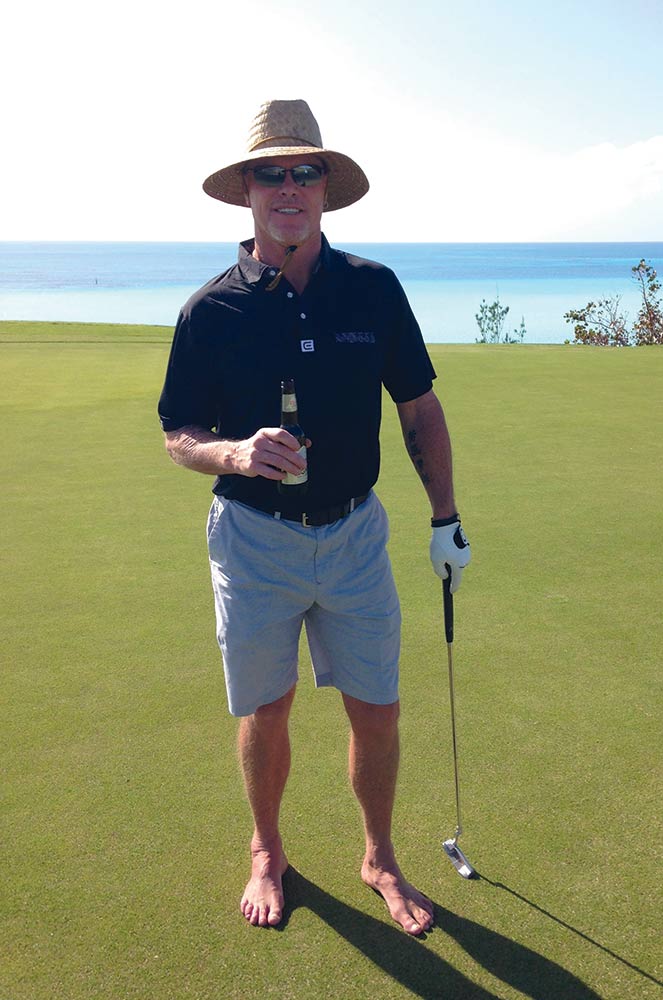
(448, 605)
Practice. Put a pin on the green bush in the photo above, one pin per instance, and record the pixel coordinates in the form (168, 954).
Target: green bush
(491, 318)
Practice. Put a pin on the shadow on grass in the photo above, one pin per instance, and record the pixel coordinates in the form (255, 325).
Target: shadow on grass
(424, 973)
(574, 930)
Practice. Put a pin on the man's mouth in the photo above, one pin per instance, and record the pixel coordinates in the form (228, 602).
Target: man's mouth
(288, 211)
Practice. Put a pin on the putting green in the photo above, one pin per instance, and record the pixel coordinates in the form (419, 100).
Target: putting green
(124, 823)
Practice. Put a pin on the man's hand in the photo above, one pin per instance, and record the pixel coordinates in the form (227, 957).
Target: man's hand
(271, 452)
(450, 547)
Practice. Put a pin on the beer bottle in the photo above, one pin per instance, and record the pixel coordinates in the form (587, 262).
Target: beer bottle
(292, 485)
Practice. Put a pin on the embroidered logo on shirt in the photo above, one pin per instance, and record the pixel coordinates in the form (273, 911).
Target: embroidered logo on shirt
(355, 338)
(307, 345)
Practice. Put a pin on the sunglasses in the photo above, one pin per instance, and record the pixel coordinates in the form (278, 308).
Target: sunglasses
(307, 175)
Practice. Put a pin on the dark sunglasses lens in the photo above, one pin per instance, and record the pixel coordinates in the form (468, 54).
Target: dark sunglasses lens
(269, 176)
(307, 176)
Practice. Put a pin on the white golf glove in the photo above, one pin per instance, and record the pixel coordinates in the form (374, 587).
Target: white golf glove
(449, 548)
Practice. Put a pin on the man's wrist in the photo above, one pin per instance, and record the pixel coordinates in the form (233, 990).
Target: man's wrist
(443, 522)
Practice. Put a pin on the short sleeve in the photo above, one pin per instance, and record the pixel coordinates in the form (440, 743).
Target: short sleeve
(409, 372)
(187, 396)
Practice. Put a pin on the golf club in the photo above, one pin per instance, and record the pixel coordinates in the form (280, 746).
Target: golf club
(452, 850)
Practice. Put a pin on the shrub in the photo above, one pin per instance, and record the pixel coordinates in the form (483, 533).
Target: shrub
(601, 323)
(491, 318)
(604, 324)
(648, 327)
(518, 333)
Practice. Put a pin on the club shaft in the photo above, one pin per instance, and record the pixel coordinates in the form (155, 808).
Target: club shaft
(452, 702)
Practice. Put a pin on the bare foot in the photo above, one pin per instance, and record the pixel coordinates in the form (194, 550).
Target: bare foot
(262, 902)
(409, 907)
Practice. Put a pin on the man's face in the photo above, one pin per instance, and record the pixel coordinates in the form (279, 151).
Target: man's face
(287, 215)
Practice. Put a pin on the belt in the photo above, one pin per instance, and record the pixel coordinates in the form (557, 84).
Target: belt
(321, 517)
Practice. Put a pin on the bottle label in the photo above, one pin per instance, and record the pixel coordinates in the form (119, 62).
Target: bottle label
(292, 480)
(289, 403)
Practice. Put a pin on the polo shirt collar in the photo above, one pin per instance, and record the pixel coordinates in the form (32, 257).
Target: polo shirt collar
(252, 270)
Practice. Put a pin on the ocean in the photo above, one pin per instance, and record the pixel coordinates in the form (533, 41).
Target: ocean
(146, 283)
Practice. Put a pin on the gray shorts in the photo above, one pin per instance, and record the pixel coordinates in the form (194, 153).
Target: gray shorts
(270, 576)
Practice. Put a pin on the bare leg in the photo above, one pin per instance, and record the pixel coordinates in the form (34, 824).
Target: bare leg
(374, 757)
(264, 753)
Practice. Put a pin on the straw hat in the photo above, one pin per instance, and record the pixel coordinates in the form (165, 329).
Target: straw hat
(288, 128)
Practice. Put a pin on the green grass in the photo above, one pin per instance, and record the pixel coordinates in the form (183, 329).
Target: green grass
(124, 824)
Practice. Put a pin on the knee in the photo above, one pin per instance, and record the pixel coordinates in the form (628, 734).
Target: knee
(276, 713)
(366, 718)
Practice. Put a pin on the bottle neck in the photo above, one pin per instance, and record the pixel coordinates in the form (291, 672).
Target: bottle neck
(289, 408)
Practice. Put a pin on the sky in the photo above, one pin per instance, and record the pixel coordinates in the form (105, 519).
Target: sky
(501, 122)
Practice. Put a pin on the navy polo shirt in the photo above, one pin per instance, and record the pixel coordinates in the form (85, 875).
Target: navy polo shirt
(350, 333)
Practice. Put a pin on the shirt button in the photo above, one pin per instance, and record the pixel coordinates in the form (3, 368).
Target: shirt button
(272, 273)
(290, 294)
(302, 315)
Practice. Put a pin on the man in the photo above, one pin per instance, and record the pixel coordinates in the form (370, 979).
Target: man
(341, 327)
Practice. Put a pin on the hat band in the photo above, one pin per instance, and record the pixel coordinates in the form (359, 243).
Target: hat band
(282, 140)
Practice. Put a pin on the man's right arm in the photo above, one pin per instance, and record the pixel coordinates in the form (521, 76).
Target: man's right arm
(270, 452)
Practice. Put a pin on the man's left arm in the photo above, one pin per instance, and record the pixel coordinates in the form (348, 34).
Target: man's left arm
(429, 446)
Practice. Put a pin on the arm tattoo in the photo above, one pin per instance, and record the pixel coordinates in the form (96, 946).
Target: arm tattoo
(416, 456)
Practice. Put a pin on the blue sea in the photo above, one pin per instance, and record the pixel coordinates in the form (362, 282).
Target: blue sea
(147, 283)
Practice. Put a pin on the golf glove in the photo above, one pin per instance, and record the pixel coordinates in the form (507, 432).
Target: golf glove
(449, 547)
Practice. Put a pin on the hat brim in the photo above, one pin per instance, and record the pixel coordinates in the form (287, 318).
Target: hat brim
(346, 181)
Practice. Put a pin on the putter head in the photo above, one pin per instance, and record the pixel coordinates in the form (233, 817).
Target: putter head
(458, 859)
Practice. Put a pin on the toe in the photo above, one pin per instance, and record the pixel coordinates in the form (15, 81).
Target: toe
(406, 919)
(417, 922)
